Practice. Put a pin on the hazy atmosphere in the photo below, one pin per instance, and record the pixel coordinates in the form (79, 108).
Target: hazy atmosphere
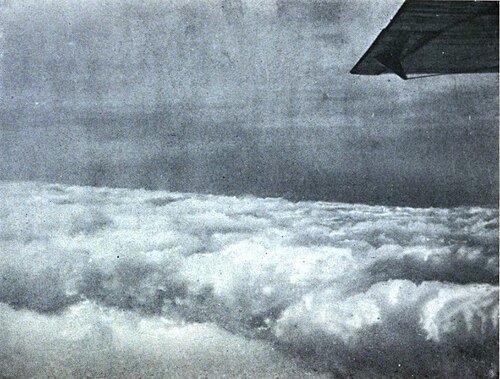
(236, 97)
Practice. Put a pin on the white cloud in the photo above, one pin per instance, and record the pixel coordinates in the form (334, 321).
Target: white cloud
(355, 290)
(92, 341)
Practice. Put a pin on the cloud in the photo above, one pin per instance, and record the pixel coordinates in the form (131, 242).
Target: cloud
(397, 327)
(90, 341)
(345, 289)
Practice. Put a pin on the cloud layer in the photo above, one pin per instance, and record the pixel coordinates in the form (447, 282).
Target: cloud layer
(115, 282)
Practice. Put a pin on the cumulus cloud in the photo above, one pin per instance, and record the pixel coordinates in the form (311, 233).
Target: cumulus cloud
(398, 327)
(91, 341)
(117, 282)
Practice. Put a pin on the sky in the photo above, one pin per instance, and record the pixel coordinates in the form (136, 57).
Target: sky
(236, 97)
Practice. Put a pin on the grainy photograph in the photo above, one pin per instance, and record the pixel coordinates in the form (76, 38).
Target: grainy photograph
(249, 189)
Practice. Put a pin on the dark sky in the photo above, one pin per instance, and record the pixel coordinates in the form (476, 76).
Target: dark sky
(236, 97)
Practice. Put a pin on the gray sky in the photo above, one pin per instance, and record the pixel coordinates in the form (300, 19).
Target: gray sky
(236, 97)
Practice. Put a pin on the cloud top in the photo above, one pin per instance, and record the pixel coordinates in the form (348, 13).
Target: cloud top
(95, 279)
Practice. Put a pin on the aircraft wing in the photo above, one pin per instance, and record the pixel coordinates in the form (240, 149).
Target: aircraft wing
(436, 37)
